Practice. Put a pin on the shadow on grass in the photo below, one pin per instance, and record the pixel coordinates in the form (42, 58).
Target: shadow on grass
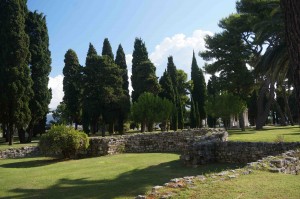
(30, 163)
(292, 134)
(128, 184)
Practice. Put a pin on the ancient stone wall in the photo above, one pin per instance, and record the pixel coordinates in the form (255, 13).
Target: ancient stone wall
(233, 152)
(135, 143)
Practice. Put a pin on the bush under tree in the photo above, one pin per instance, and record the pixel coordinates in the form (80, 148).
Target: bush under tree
(63, 140)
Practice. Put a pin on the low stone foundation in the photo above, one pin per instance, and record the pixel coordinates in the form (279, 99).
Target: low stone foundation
(26, 151)
(136, 143)
(233, 152)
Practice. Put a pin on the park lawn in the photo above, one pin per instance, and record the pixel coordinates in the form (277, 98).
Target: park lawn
(268, 134)
(259, 185)
(118, 176)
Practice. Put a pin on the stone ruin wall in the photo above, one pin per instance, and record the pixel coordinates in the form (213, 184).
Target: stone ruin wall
(135, 143)
(233, 152)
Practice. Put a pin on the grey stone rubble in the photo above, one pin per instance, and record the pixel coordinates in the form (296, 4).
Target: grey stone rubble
(135, 143)
(26, 151)
(188, 182)
(287, 163)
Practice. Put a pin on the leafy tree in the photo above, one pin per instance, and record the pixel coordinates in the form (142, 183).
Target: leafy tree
(37, 31)
(198, 89)
(212, 91)
(15, 81)
(60, 114)
(106, 49)
(125, 103)
(149, 109)
(72, 86)
(224, 105)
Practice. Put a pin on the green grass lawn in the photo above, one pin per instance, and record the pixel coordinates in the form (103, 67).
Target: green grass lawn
(268, 134)
(118, 176)
(260, 184)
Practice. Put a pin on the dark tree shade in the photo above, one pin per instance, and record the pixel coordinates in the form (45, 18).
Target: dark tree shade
(15, 81)
(167, 89)
(40, 67)
(199, 89)
(125, 103)
(72, 86)
(106, 49)
(139, 58)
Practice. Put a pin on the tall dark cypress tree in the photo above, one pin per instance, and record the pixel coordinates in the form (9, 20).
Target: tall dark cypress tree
(199, 89)
(91, 109)
(106, 49)
(125, 102)
(15, 81)
(212, 91)
(143, 77)
(72, 86)
(177, 118)
(40, 68)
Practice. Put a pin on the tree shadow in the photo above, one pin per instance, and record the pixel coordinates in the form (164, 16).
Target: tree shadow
(30, 163)
(128, 184)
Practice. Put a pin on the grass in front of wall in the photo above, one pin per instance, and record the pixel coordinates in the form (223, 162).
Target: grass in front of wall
(268, 134)
(118, 176)
(259, 185)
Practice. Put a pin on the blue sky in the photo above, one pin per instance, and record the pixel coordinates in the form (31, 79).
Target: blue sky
(168, 27)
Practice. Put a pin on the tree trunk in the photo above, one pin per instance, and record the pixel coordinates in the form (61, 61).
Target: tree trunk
(143, 127)
(287, 106)
(121, 126)
(242, 121)
(111, 128)
(263, 110)
(282, 115)
(10, 134)
(150, 126)
(21, 134)
(291, 11)
(76, 125)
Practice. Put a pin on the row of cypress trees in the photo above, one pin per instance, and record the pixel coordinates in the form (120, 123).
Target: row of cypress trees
(24, 69)
(97, 94)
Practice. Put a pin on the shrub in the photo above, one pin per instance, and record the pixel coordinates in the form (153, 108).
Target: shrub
(63, 140)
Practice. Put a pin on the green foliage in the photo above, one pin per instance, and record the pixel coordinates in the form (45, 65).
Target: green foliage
(72, 86)
(150, 108)
(63, 140)
(224, 105)
(15, 81)
(125, 103)
(106, 49)
(60, 114)
(40, 62)
(143, 77)
(198, 91)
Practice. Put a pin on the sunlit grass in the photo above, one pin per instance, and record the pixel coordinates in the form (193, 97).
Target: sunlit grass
(268, 134)
(119, 176)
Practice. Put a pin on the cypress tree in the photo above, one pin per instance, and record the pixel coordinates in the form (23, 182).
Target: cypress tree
(40, 68)
(91, 108)
(177, 118)
(106, 49)
(199, 89)
(15, 81)
(72, 86)
(139, 60)
(212, 91)
(192, 114)
(125, 102)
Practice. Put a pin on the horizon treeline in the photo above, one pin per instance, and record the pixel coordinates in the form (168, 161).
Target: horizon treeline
(97, 94)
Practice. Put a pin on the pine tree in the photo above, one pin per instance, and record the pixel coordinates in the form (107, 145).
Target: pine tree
(106, 49)
(15, 81)
(125, 103)
(142, 70)
(72, 86)
(40, 68)
(199, 89)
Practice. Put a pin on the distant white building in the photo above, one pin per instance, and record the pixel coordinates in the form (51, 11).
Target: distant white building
(234, 120)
